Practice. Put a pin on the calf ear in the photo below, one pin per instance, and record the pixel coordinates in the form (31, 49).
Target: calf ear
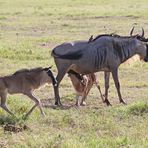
(47, 69)
(50, 67)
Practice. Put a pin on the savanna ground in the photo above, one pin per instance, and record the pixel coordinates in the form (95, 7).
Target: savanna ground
(28, 32)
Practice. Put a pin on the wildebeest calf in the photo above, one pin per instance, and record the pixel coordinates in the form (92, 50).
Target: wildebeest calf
(25, 81)
(82, 85)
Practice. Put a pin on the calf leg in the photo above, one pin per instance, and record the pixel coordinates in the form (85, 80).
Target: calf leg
(99, 88)
(106, 78)
(78, 98)
(117, 84)
(3, 104)
(37, 103)
(86, 91)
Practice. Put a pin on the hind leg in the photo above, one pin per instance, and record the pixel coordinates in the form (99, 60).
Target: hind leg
(37, 103)
(3, 103)
(60, 76)
(106, 78)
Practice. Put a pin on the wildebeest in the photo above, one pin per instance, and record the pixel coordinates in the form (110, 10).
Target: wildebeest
(82, 85)
(25, 81)
(103, 53)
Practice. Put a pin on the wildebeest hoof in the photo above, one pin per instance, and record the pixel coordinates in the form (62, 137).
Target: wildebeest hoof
(123, 102)
(77, 104)
(107, 103)
(58, 104)
(83, 103)
(43, 114)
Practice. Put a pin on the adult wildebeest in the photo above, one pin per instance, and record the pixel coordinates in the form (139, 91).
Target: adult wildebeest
(25, 81)
(104, 53)
(82, 85)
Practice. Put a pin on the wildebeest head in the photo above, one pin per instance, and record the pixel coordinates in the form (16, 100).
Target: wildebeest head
(144, 46)
(50, 74)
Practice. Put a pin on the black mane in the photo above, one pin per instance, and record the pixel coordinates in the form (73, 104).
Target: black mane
(118, 36)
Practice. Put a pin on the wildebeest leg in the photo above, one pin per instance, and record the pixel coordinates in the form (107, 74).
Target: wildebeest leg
(37, 103)
(106, 79)
(57, 97)
(117, 84)
(3, 103)
(59, 77)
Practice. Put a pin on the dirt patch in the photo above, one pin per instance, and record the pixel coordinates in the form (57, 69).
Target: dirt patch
(49, 103)
(14, 128)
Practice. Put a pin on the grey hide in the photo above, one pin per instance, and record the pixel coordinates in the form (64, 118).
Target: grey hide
(104, 53)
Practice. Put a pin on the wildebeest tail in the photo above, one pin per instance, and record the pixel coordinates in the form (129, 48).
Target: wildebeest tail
(72, 55)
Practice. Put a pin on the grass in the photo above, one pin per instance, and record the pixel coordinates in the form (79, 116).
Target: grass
(28, 32)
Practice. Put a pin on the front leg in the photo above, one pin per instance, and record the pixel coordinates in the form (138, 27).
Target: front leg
(117, 84)
(37, 103)
(3, 103)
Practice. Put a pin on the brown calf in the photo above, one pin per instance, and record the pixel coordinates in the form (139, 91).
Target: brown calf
(25, 81)
(82, 85)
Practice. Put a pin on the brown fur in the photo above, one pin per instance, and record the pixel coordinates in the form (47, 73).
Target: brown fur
(83, 87)
(23, 81)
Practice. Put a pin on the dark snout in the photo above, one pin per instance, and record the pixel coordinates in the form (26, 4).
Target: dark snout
(146, 59)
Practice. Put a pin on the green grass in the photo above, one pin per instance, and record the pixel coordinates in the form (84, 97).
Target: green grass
(29, 30)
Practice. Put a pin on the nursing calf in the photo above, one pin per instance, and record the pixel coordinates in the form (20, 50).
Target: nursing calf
(82, 85)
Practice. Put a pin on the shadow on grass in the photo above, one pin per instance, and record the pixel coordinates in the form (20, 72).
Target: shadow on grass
(47, 103)
(138, 108)
(8, 120)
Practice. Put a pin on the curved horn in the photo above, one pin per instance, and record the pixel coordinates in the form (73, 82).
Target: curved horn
(146, 40)
(132, 31)
(142, 33)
